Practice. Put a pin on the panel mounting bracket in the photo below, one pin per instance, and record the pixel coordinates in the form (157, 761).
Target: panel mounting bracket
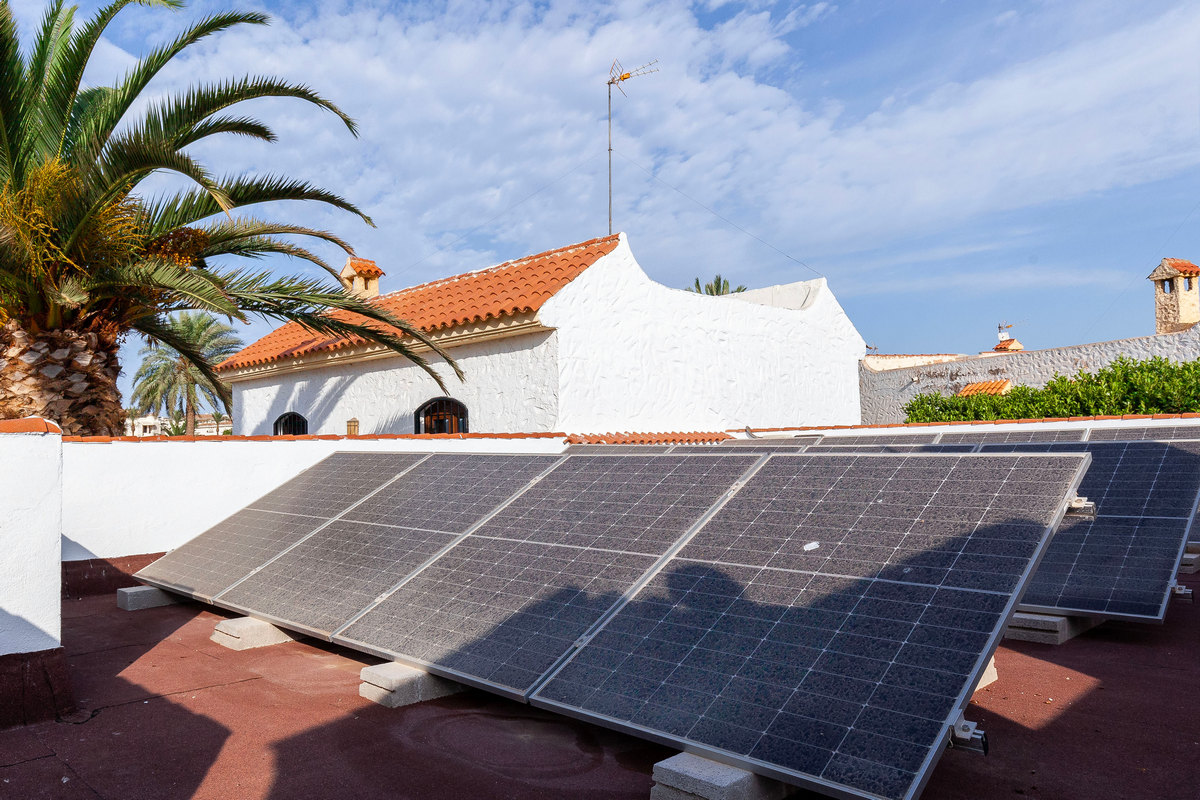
(966, 735)
(1181, 591)
(1081, 507)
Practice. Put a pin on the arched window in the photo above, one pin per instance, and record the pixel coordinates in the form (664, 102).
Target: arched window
(441, 415)
(291, 424)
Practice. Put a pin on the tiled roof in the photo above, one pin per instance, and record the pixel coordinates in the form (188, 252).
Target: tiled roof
(514, 287)
(1182, 266)
(985, 387)
(695, 437)
(364, 266)
(28, 425)
(1008, 346)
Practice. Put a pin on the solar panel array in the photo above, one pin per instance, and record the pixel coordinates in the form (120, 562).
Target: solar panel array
(819, 618)
(1158, 433)
(1003, 437)
(882, 438)
(828, 623)
(826, 446)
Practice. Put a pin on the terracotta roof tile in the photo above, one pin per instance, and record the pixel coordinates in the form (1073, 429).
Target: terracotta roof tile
(1182, 266)
(695, 437)
(365, 267)
(28, 425)
(514, 287)
(1009, 346)
(985, 387)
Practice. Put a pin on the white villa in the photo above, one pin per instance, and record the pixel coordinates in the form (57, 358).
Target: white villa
(575, 340)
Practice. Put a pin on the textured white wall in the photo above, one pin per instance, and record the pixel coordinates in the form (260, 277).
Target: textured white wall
(510, 386)
(635, 355)
(30, 516)
(129, 498)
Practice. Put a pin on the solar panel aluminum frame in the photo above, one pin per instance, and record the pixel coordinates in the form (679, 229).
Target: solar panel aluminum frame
(212, 599)
(815, 783)
(1142, 618)
(636, 586)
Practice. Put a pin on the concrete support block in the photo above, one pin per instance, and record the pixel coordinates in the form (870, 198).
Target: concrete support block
(689, 777)
(989, 676)
(395, 685)
(246, 633)
(1047, 628)
(135, 598)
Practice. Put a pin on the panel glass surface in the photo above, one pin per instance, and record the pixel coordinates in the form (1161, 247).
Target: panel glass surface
(881, 438)
(829, 621)
(794, 441)
(228, 551)
(890, 448)
(496, 610)
(618, 449)
(745, 446)
(451, 492)
(321, 583)
(1159, 433)
(1002, 437)
(1110, 566)
(632, 503)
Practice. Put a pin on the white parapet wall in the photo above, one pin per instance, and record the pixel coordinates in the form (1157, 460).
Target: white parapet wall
(124, 498)
(31, 474)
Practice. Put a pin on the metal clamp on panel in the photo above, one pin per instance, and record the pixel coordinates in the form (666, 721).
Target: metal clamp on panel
(966, 735)
(1182, 592)
(1081, 507)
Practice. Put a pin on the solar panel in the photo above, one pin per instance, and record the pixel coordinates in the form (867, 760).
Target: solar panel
(828, 624)
(1115, 567)
(1003, 437)
(1159, 433)
(793, 441)
(329, 577)
(227, 552)
(824, 447)
(689, 636)
(744, 446)
(618, 449)
(502, 606)
(1123, 564)
(881, 438)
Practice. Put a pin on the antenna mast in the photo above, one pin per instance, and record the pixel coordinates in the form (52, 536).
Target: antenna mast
(616, 75)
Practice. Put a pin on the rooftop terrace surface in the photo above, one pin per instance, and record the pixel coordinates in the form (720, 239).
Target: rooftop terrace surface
(165, 713)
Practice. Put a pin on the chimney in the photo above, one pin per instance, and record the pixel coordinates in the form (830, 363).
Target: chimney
(361, 277)
(1176, 295)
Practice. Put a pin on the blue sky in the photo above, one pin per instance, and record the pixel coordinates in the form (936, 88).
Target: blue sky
(947, 166)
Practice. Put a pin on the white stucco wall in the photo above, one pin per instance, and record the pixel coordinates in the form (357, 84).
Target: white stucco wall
(635, 355)
(30, 515)
(130, 498)
(510, 386)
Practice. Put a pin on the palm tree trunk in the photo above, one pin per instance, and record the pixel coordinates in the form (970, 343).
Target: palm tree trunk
(64, 376)
(190, 411)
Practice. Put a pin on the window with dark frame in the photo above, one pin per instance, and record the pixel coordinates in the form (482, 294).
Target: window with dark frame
(291, 424)
(441, 415)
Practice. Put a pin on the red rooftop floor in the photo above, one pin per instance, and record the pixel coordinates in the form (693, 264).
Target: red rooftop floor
(165, 713)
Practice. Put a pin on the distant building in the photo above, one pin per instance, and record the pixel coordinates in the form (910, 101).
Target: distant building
(151, 425)
(577, 340)
(1176, 295)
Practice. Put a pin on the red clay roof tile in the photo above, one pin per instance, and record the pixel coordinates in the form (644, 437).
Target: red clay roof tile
(985, 387)
(1182, 266)
(1009, 346)
(28, 425)
(695, 437)
(364, 266)
(514, 287)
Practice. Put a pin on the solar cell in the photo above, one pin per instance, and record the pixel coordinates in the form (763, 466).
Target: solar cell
(828, 624)
(793, 441)
(618, 449)
(1159, 433)
(226, 553)
(1003, 437)
(744, 446)
(881, 438)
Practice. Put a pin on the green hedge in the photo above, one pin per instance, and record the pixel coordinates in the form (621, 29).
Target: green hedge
(1154, 386)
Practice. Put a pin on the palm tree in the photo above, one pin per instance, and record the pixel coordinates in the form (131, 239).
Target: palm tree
(167, 380)
(217, 418)
(86, 259)
(716, 286)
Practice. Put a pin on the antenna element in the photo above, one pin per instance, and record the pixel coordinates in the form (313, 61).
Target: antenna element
(616, 76)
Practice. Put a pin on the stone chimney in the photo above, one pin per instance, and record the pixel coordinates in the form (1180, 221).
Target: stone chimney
(1176, 295)
(361, 277)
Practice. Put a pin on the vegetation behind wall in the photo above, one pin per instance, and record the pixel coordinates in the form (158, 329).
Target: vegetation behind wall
(1153, 386)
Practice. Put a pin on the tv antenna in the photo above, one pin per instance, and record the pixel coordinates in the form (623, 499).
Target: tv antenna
(616, 76)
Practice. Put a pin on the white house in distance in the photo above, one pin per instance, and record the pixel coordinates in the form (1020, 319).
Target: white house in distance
(575, 340)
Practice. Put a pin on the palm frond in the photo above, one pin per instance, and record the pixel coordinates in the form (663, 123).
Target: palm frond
(12, 82)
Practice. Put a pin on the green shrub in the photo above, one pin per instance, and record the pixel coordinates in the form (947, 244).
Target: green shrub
(1154, 386)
